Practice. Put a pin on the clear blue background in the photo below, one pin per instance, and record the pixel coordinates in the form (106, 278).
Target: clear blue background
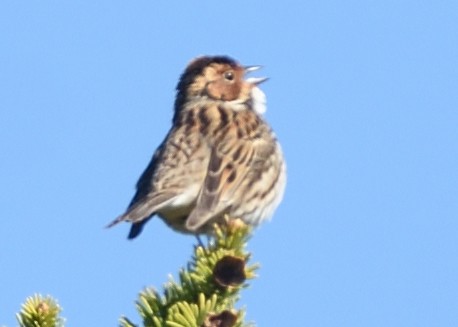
(363, 96)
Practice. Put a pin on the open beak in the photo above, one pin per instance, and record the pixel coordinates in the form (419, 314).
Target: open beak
(254, 80)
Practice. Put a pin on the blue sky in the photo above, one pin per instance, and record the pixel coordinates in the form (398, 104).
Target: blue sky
(362, 95)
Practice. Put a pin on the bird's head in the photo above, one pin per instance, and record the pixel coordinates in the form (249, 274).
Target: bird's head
(217, 78)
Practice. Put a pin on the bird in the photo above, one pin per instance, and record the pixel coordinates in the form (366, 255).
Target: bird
(219, 159)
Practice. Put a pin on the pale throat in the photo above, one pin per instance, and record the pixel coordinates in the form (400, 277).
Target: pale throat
(258, 99)
(258, 102)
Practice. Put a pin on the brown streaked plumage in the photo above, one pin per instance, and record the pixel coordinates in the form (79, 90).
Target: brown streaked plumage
(219, 158)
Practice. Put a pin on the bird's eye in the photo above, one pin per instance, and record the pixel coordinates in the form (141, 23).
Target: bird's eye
(229, 75)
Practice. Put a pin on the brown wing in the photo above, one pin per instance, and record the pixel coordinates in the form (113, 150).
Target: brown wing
(234, 164)
(175, 166)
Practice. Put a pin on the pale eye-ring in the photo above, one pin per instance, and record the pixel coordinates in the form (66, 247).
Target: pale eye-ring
(229, 75)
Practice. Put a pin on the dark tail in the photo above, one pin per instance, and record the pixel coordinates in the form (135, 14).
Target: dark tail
(137, 228)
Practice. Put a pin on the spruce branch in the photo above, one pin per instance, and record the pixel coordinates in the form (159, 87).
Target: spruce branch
(207, 289)
(39, 311)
